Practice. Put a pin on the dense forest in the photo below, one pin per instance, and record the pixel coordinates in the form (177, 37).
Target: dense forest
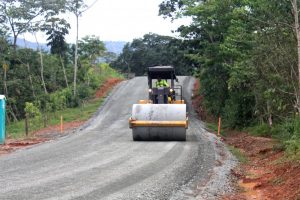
(154, 50)
(36, 82)
(247, 58)
(245, 53)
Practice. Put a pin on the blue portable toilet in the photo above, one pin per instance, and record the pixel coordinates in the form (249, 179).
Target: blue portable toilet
(2, 118)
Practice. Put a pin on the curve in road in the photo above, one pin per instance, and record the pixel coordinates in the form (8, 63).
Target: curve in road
(102, 162)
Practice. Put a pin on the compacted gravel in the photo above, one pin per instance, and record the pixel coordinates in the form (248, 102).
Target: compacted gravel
(100, 161)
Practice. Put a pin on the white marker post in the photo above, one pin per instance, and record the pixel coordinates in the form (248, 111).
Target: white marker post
(2, 118)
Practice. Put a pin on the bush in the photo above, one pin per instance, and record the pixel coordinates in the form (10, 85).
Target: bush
(238, 110)
(84, 91)
(33, 113)
(288, 132)
(58, 101)
(68, 94)
(32, 110)
(293, 147)
(292, 131)
(262, 130)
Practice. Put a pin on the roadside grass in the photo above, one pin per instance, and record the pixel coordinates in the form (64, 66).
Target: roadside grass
(261, 130)
(16, 130)
(88, 105)
(287, 133)
(242, 158)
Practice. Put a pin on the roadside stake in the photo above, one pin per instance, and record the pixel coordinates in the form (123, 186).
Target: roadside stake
(26, 124)
(61, 124)
(219, 126)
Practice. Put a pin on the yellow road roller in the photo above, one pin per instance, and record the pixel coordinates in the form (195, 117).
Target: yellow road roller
(163, 115)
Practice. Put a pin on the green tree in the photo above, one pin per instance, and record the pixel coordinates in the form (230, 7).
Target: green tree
(152, 50)
(22, 16)
(57, 29)
(246, 53)
(91, 48)
(77, 8)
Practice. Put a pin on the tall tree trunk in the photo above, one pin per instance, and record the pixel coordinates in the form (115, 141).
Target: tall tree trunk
(15, 41)
(42, 71)
(10, 110)
(64, 70)
(42, 64)
(5, 68)
(297, 31)
(270, 120)
(30, 79)
(29, 72)
(76, 54)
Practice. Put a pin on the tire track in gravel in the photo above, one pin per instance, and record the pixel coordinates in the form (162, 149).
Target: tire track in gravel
(101, 161)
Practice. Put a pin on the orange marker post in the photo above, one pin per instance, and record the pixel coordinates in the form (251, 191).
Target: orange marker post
(219, 126)
(61, 124)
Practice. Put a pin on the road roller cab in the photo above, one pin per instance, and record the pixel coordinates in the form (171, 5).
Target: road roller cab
(166, 94)
(163, 116)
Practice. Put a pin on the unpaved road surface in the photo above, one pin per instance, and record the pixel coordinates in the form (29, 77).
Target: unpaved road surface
(102, 162)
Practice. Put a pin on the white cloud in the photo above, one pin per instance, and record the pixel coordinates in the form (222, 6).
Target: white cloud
(121, 20)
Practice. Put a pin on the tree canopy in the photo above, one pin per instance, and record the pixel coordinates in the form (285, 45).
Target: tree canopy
(245, 52)
(154, 50)
(40, 78)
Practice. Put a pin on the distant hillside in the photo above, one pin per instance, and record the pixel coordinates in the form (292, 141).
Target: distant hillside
(111, 46)
(31, 45)
(115, 46)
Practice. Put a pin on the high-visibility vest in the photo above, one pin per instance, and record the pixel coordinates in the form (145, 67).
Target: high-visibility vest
(162, 83)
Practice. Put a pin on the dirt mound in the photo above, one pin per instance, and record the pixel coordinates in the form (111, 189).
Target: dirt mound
(104, 89)
(13, 145)
(197, 101)
(267, 174)
(250, 145)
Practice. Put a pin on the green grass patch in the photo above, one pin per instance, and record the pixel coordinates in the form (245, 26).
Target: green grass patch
(277, 181)
(16, 130)
(238, 154)
(261, 130)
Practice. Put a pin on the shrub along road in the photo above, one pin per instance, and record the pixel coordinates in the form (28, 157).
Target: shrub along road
(101, 161)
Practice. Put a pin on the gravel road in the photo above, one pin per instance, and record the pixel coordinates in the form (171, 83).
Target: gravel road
(101, 161)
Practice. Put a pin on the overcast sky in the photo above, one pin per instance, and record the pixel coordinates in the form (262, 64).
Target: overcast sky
(120, 20)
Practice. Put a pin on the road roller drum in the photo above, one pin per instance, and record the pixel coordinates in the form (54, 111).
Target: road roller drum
(159, 122)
